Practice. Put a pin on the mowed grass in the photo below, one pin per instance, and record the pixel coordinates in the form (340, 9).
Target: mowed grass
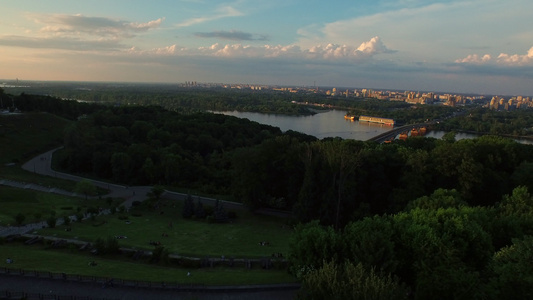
(188, 237)
(38, 206)
(37, 257)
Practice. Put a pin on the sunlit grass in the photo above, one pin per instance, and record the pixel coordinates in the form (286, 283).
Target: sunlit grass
(190, 237)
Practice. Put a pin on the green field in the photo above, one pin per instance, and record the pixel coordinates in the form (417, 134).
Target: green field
(189, 237)
(37, 257)
(38, 206)
(30, 134)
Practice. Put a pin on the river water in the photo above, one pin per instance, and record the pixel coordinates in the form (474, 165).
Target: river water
(325, 124)
(332, 124)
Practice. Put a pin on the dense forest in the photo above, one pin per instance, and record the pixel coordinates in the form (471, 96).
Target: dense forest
(333, 180)
(483, 120)
(196, 99)
(438, 247)
(421, 218)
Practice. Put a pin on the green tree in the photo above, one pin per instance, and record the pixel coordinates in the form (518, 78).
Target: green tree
(523, 175)
(19, 218)
(66, 220)
(156, 192)
(199, 210)
(188, 208)
(310, 246)
(85, 187)
(343, 157)
(349, 281)
(370, 242)
(441, 198)
(220, 214)
(51, 222)
(513, 270)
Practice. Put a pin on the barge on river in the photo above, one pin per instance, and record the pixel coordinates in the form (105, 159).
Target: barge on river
(377, 120)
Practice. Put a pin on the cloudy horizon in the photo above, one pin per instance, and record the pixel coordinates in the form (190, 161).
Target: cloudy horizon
(476, 46)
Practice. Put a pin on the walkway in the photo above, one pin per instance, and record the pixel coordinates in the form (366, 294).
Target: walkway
(52, 289)
(64, 289)
(42, 164)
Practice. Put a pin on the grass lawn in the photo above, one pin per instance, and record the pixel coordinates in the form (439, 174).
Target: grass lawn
(37, 257)
(189, 237)
(37, 206)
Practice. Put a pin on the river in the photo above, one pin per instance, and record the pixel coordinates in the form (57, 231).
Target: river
(332, 124)
(324, 124)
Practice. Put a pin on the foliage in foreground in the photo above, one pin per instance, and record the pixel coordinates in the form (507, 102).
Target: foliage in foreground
(439, 248)
(347, 281)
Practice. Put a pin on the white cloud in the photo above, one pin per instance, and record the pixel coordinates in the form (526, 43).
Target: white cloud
(374, 46)
(501, 59)
(475, 59)
(433, 32)
(79, 33)
(80, 25)
(221, 12)
(330, 52)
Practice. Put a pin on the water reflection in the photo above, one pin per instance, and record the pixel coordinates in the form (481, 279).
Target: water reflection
(325, 124)
(332, 124)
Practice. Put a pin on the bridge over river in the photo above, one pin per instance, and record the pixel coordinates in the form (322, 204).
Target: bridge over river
(394, 132)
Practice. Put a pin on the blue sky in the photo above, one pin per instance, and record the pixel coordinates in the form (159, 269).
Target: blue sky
(479, 46)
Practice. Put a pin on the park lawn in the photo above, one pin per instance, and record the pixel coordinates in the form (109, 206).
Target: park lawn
(33, 203)
(188, 237)
(38, 258)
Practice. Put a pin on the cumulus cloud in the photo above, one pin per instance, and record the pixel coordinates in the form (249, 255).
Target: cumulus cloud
(232, 35)
(329, 52)
(474, 59)
(374, 46)
(501, 59)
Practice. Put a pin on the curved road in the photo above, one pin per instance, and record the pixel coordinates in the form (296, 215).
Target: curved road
(51, 288)
(42, 164)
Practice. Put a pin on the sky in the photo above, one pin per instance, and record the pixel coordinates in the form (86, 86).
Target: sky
(463, 46)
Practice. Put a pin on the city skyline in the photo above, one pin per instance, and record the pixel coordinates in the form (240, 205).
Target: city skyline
(478, 46)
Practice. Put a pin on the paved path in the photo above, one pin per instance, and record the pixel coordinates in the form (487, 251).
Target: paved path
(52, 288)
(42, 164)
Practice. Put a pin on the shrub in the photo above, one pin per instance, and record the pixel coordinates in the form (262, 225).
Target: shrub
(108, 246)
(37, 215)
(208, 210)
(19, 218)
(160, 255)
(190, 263)
(232, 214)
(51, 222)
(79, 217)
